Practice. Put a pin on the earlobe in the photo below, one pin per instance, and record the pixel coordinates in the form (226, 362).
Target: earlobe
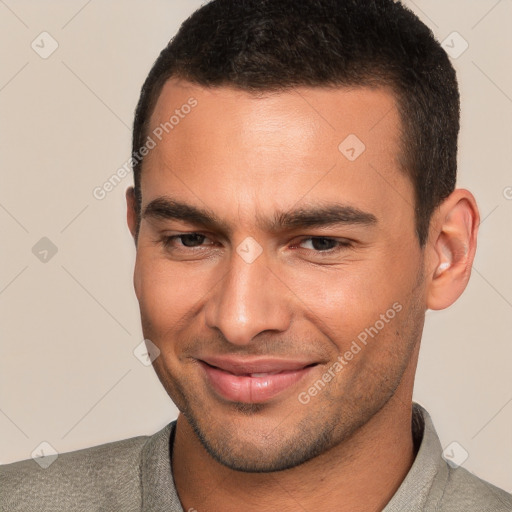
(451, 248)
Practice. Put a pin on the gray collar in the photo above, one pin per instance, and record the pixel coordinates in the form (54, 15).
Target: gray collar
(423, 487)
(158, 489)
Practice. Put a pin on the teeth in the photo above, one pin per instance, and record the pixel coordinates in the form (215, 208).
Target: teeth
(262, 374)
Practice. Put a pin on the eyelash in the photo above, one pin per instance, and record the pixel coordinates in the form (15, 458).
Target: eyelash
(166, 242)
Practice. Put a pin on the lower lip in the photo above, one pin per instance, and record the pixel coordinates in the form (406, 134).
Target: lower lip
(247, 389)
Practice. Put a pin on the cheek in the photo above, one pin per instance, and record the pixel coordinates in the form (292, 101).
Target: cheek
(160, 291)
(170, 294)
(344, 302)
(164, 304)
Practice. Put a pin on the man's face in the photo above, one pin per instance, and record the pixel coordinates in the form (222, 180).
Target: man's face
(253, 294)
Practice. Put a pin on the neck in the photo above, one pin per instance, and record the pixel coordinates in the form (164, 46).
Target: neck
(362, 473)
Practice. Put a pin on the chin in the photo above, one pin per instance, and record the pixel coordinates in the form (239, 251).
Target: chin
(252, 451)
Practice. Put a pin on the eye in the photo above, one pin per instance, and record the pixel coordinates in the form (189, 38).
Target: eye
(327, 245)
(188, 241)
(192, 242)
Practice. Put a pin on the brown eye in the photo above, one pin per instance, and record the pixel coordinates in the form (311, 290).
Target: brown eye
(188, 240)
(324, 244)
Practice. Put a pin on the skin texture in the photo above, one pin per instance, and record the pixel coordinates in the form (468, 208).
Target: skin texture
(244, 158)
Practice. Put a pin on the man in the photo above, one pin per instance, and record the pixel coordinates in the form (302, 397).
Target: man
(295, 215)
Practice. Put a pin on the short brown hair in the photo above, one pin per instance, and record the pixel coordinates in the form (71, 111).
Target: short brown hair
(272, 45)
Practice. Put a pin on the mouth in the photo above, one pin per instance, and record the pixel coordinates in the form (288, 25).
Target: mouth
(253, 381)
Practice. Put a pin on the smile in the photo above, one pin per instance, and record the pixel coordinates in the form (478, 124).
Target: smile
(253, 382)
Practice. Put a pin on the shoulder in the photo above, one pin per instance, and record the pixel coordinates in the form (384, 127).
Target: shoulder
(104, 477)
(465, 491)
(434, 484)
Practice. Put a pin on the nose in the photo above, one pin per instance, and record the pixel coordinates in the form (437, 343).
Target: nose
(248, 300)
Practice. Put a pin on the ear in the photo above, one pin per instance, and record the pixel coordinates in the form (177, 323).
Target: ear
(131, 212)
(451, 248)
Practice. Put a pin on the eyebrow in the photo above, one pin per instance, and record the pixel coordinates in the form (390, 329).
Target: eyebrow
(330, 214)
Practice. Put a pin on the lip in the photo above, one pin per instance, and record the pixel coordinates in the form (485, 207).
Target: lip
(234, 379)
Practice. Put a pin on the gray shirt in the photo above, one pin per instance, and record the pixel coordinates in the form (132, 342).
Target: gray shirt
(135, 475)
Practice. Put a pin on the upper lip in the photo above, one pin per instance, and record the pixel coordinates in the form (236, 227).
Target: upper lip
(240, 366)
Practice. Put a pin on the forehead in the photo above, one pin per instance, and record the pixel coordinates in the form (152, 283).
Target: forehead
(303, 111)
(222, 146)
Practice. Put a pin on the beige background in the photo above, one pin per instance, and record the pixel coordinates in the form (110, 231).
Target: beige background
(68, 375)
